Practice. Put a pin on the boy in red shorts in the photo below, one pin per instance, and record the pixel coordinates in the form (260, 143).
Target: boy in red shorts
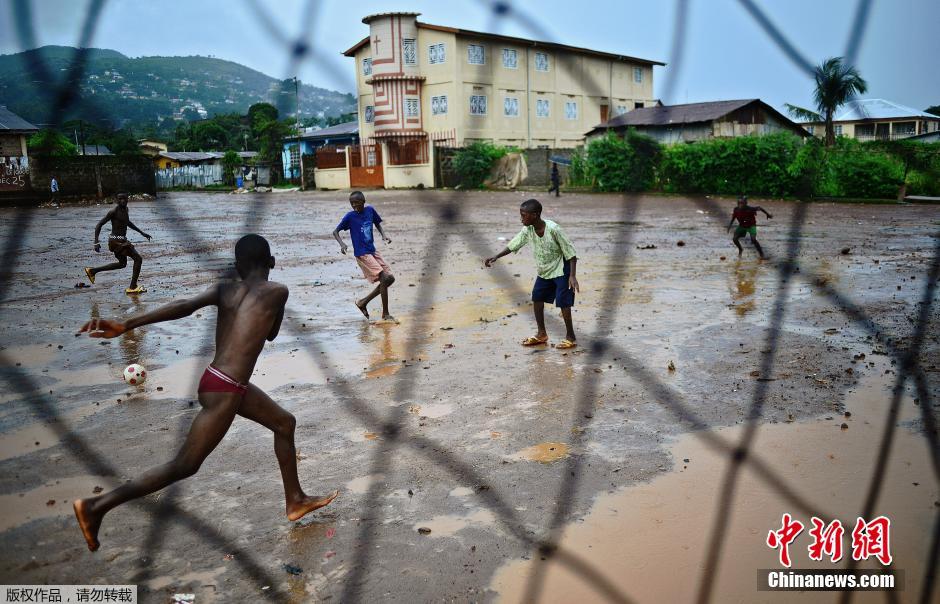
(359, 223)
(250, 311)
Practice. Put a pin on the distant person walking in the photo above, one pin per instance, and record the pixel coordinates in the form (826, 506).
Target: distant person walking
(54, 189)
(556, 181)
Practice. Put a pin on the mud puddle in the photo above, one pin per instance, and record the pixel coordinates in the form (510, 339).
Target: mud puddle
(650, 540)
(49, 500)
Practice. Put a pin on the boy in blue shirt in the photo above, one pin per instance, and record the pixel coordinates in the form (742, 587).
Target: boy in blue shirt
(359, 223)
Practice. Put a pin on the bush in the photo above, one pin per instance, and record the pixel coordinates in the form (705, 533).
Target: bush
(622, 164)
(578, 171)
(50, 143)
(757, 165)
(474, 162)
(852, 169)
(230, 162)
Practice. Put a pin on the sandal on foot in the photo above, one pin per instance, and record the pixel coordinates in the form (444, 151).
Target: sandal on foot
(535, 341)
(136, 290)
(90, 275)
(565, 345)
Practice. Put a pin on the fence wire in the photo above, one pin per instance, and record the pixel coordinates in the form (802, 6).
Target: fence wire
(304, 48)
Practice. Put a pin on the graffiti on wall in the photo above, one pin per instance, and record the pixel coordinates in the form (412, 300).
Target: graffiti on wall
(14, 173)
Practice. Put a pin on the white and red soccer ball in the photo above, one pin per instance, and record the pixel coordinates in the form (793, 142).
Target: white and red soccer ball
(135, 374)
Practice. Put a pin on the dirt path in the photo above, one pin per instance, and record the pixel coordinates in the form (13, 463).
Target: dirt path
(444, 422)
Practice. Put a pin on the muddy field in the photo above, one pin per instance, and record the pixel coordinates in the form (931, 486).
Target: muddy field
(444, 423)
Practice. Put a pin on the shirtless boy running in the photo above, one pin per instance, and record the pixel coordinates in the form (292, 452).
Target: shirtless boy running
(250, 311)
(118, 244)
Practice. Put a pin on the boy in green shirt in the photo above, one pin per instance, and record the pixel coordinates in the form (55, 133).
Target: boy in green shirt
(556, 263)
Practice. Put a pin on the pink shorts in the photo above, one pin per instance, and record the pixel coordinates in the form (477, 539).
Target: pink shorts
(372, 265)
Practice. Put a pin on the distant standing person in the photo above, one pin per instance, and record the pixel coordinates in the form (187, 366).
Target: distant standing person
(359, 223)
(118, 244)
(556, 262)
(54, 189)
(747, 223)
(556, 181)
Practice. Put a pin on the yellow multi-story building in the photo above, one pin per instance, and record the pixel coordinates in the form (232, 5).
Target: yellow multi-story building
(453, 86)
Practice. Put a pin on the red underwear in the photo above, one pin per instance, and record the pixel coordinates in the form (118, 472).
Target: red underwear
(214, 380)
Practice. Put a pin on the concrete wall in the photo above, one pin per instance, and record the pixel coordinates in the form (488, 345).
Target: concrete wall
(331, 178)
(81, 176)
(537, 162)
(406, 177)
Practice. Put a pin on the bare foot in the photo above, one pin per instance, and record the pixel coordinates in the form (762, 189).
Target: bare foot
(296, 511)
(389, 319)
(88, 522)
(362, 308)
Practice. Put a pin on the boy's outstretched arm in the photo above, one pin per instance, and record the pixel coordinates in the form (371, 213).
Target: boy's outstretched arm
(489, 261)
(98, 226)
(276, 327)
(104, 328)
(134, 226)
(385, 238)
(764, 211)
(730, 224)
(342, 246)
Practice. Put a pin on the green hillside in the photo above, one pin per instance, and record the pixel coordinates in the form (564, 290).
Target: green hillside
(154, 92)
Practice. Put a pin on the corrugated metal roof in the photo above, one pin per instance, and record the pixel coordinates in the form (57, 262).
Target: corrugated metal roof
(344, 129)
(868, 109)
(185, 156)
(94, 150)
(677, 114)
(690, 113)
(11, 122)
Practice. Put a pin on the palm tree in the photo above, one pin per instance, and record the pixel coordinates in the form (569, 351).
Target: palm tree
(836, 83)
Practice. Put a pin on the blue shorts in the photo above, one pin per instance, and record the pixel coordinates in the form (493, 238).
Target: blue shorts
(554, 290)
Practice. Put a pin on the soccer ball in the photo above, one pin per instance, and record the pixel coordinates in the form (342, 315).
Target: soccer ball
(135, 374)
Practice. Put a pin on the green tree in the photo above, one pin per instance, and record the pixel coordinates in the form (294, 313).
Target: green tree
(836, 83)
(51, 143)
(622, 164)
(934, 109)
(474, 162)
(259, 115)
(230, 162)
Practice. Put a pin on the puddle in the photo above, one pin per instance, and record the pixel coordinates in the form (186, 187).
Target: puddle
(449, 525)
(20, 508)
(435, 410)
(650, 540)
(543, 452)
(203, 583)
(360, 486)
(41, 435)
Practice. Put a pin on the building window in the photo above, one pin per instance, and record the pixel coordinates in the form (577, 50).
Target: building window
(620, 110)
(477, 104)
(439, 105)
(541, 108)
(476, 54)
(838, 129)
(638, 75)
(370, 114)
(411, 107)
(811, 129)
(638, 105)
(571, 110)
(436, 54)
(409, 51)
(541, 61)
(511, 106)
(510, 58)
(367, 66)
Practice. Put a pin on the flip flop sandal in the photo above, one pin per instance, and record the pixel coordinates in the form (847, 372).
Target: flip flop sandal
(533, 341)
(565, 345)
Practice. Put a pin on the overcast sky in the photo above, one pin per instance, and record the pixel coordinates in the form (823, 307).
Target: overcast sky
(726, 54)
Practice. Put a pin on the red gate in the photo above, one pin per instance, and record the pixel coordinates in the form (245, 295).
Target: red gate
(365, 166)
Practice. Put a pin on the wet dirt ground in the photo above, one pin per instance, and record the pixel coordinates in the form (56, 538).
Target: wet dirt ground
(458, 451)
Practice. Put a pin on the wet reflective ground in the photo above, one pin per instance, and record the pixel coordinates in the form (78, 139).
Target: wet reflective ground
(487, 428)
